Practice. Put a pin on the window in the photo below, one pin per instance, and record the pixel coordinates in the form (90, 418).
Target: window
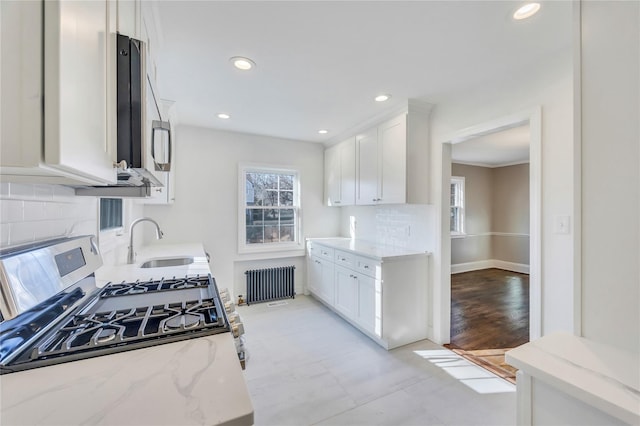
(457, 205)
(110, 213)
(270, 209)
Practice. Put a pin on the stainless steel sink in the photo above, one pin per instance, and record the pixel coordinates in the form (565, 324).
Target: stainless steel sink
(168, 261)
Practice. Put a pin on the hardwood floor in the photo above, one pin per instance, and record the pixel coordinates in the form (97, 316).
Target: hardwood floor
(489, 309)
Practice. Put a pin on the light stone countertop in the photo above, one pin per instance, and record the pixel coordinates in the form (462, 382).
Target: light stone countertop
(368, 248)
(602, 376)
(191, 382)
(125, 272)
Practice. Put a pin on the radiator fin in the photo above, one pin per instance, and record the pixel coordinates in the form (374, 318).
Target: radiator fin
(268, 284)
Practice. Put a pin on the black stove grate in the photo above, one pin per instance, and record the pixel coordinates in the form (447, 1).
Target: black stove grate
(113, 328)
(152, 286)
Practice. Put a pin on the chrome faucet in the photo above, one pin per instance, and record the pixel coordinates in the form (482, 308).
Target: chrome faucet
(131, 256)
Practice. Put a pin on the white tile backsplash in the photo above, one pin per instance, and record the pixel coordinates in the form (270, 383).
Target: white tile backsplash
(30, 212)
(407, 226)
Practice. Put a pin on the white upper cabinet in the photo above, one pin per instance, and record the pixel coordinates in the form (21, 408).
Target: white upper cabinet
(340, 173)
(392, 149)
(130, 18)
(381, 163)
(367, 170)
(77, 47)
(332, 175)
(391, 161)
(72, 43)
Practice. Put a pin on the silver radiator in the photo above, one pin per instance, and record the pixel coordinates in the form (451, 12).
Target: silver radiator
(270, 284)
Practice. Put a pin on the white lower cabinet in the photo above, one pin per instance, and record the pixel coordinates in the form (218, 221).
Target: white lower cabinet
(369, 304)
(385, 298)
(346, 291)
(320, 278)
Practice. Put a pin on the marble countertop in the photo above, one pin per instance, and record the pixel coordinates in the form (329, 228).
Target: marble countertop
(368, 248)
(191, 382)
(125, 272)
(600, 375)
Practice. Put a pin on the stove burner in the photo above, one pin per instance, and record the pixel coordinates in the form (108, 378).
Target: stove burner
(185, 321)
(106, 335)
(113, 289)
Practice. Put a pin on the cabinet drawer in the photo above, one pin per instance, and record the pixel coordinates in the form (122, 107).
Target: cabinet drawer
(323, 252)
(368, 267)
(345, 259)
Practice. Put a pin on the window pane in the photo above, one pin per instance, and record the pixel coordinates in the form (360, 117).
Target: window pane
(287, 233)
(454, 219)
(287, 217)
(270, 181)
(254, 234)
(271, 217)
(453, 194)
(254, 217)
(271, 234)
(270, 198)
(286, 198)
(286, 182)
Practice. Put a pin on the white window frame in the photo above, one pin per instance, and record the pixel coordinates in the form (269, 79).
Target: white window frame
(460, 183)
(243, 247)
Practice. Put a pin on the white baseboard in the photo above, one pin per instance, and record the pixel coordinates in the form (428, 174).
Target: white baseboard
(487, 264)
(471, 266)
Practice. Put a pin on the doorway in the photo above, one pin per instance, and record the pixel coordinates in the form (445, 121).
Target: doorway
(487, 263)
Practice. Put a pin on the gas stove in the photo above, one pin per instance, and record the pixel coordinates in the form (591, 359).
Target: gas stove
(82, 320)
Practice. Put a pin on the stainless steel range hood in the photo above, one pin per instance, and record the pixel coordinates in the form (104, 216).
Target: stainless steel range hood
(132, 183)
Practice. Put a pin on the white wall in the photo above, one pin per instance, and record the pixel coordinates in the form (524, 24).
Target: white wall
(610, 173)
(550, 86)
(206, 197)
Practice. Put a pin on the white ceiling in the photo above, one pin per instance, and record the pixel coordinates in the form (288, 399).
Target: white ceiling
(320, 63)
(497, 149)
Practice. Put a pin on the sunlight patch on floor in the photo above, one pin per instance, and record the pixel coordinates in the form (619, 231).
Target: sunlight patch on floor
(469, 374)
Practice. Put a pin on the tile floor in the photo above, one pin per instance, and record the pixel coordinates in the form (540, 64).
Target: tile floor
(307, 366)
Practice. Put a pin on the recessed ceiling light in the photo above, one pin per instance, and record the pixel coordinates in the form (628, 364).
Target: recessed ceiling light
(224, 116)
(323, 132)
(242, 63)
(382, 98)
(526, 11)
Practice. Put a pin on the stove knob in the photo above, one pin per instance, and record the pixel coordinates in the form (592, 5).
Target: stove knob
(224, 295)
(229, 306)
(233, 317)
(237, 329)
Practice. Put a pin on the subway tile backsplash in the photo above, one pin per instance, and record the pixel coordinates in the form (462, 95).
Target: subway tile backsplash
(407, 226)
(33, 212)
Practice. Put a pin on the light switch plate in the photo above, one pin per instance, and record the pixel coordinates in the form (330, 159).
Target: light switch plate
(562, 224)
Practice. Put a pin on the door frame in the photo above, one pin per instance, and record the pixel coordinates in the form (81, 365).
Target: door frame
(534, 118)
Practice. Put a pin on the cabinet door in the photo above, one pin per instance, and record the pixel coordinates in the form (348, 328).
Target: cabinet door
(326, 283)
(130, 19)
(78, 49)
(346, 301)
(332, 175)
(314, 275)
(369, 305)
(348, 172)
(367, 167)
(392, 146)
